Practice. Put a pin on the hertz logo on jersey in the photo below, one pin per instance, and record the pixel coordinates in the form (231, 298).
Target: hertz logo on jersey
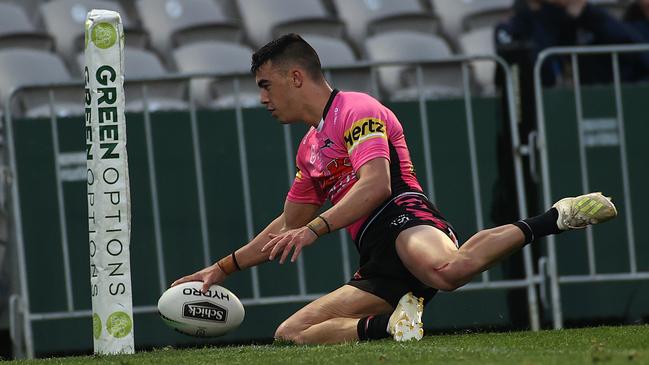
(362, 130)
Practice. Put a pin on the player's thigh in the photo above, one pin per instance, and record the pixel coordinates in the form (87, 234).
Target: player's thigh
(344, 302)
(424, 249)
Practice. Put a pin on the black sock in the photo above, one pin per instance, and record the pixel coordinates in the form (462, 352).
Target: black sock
(373, 327)
(539, 226)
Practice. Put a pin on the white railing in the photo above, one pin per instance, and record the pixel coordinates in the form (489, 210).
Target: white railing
(556, 279)
(22, 315)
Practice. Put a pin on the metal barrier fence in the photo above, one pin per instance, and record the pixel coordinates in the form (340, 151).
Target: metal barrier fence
(22, 316)
(616, 125)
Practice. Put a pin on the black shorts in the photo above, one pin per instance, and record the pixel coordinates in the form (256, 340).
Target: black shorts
(380, 270)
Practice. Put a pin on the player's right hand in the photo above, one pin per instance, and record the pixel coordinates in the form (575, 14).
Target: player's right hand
(209, 276)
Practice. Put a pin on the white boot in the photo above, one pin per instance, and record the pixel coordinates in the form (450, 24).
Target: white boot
(579, 212)
(405, 322)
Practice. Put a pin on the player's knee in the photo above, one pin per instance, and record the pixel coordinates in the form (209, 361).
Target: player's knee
(287, 332)
(284, 332)
(449, 276)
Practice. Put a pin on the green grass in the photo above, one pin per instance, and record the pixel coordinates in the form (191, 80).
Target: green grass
(601, 345)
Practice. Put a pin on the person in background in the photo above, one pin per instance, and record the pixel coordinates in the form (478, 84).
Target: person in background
(636, 18)
(534, 26)
(539, 24)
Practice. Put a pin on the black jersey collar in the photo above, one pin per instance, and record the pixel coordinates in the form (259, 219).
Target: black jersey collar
(329, 102)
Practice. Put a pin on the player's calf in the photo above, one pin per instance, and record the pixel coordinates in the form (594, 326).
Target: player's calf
(488, 247)
(453, 270)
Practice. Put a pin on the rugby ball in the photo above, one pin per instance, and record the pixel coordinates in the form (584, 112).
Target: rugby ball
(188, 310)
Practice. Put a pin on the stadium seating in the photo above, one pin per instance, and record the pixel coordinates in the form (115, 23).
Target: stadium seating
(366, 17)
(481, 41)
(16, 30)
(460, 15)
(401, 81)
(64, 20)
(337, 52)
(218, 57)
(465, 25)
(267, 19)
(29, 66)
(172, 23)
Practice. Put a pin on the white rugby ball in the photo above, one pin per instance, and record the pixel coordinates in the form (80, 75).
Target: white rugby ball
(213, 313)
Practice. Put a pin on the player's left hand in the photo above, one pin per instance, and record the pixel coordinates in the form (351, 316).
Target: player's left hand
(284, 242)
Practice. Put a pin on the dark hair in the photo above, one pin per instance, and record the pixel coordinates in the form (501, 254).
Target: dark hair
(289, 48)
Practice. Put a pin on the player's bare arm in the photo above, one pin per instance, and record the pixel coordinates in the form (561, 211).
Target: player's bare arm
(372, 189)
(294, 215)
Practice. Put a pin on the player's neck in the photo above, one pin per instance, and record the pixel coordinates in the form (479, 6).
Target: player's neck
(315, 104)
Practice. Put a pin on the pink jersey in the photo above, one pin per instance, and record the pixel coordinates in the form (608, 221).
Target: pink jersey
(356, 129)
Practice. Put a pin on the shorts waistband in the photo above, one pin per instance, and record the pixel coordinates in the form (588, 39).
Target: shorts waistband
(370, 220)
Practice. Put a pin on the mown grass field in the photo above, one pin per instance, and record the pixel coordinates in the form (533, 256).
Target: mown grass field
(600, 345)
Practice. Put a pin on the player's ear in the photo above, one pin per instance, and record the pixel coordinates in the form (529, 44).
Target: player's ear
(297, 78)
